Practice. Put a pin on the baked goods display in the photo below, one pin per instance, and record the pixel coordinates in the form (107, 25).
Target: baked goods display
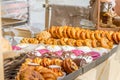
(63, 50)
(52, 71)
(52, 65)
(75, 36)
(55, 61)
(82, 34)
(103, 42)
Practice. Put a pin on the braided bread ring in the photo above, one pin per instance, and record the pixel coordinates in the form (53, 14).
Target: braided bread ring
(73, 31)
(88, 34)
(52, 30)
(57, 32)
(79, 42)
(92, 35)
(118, 35)
(65, 32)
(115, 37)
(61, 31)
(83, 35)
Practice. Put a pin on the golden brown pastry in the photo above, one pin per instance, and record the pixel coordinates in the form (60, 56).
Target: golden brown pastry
(49, 41)
(57, 32)
(79, 42)
(56, 62)
(57, 71)
(98, 35)
(78, 34)
(92, 35)
(109, 36)
(43, 35)
(48, 74)
(45, 62)
(30, 40)
(63, 41)
(69, 29)
(118, 35)
(73, 35)
(88, 34)
(103, 34)
(52, 30)
(115, 38)
(77, 29)
(37, 60)
(25, 40)
(88, 42)
(83, 35)
(38, 68)
(65, 32)
(29, 74)
(104, 43)
(71, 42)
(111, 33)
(69, 66)
(61, 32)
(33, 41)
(94, 43)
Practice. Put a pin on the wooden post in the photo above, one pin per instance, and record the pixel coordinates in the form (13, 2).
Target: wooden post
(46, 14)
(1, 53)
(98, 16)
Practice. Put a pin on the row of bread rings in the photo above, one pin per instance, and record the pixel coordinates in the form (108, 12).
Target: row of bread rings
(78, 33)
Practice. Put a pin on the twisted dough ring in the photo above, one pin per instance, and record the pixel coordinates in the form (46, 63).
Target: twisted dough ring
(69, 65)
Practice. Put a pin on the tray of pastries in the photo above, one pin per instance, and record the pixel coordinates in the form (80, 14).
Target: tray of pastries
(62, 53)
(61, 62)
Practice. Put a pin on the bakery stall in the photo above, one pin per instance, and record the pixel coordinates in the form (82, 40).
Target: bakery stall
(73, 46)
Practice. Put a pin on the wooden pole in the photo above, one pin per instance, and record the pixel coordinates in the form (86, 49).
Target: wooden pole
(46, 14)
(1, 53)
(98, 16)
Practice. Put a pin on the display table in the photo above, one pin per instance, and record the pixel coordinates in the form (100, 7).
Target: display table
(108, 70)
